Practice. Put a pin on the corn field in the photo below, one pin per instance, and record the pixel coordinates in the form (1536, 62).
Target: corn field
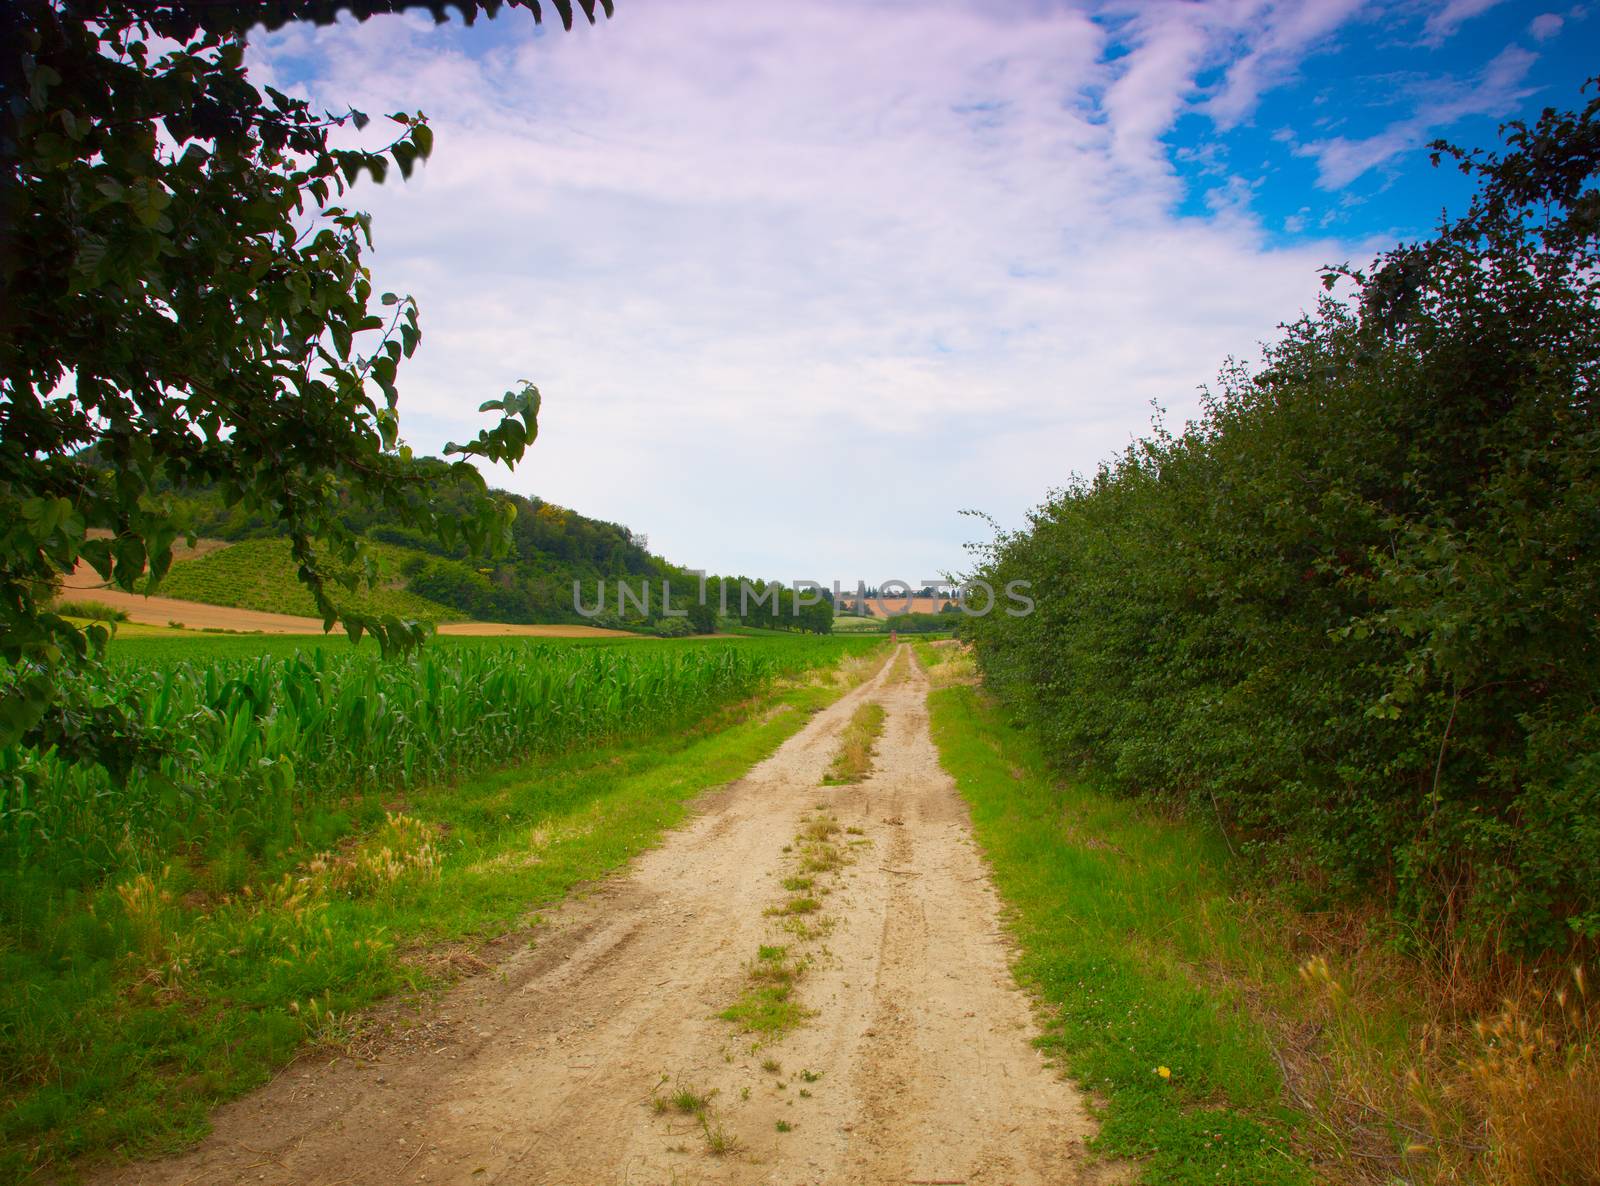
(249, 741)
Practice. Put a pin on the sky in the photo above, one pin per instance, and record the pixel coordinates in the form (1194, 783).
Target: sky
(799, 282)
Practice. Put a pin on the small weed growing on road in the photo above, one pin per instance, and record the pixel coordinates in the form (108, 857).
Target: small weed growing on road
(797, 884)
(805, 932)
(771, 1066)
(774, 972)
(719, 1141)
(821, 827)
(810, 1076)
(823, 858)
(784, 1126)
(765, 1009)
(689, 1101)
(797, 905)
(684, 1100)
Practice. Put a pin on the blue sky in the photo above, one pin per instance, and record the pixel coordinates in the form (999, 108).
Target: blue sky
(801, 281)
(1339, 144)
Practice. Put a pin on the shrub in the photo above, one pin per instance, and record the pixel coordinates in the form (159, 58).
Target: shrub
(924, 623)
(1354, 607)
(95, 611)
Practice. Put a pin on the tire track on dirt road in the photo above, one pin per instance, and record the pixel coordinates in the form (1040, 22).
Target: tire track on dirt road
(916, 1057)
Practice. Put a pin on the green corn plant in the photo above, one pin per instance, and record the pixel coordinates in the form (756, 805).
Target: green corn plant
(252, 740)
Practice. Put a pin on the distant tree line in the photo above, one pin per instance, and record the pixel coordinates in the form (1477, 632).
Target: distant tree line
(549, 549)
(946, 620)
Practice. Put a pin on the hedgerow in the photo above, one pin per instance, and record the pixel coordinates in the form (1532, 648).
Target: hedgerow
(1352, 610)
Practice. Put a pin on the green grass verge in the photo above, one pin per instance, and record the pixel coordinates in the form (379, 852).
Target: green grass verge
(1119, 916)
(226, 971)
(260, 574)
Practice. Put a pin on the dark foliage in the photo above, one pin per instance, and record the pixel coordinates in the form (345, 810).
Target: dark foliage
(940, 623)
(185, 306)
(1355, 609)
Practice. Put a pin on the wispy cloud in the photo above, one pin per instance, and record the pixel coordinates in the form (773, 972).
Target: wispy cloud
(1279, 40)
(1494, 92)
(1442, 25)
(801, 281)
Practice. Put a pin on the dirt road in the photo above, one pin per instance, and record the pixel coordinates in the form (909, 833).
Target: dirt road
(914, 1064)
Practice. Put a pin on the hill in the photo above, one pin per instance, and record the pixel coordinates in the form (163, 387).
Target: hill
(551, 547)
(259, 574)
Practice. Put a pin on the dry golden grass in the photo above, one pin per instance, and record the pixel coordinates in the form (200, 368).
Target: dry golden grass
(147, 905)
(956, 666)
(1535, 1081)
(850, 671)
(853, 761)
(1417, 1077)
(403, 848)
(947, 662)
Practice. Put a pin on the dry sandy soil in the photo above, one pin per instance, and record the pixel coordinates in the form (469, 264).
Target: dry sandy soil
(884, 607)
(196, 615)
(543, 1070)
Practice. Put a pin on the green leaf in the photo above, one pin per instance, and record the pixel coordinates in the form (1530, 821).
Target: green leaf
(147, 199)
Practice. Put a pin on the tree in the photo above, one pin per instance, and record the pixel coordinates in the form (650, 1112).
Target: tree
(816, 618)
(183, 302)
(703, 617)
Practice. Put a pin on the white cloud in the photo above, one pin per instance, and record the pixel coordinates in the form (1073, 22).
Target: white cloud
(1442, 25)
(1545, 26)
(798, 282)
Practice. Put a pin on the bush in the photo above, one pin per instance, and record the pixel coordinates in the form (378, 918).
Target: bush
(1356, 607)
(95, 611)
(924, 623)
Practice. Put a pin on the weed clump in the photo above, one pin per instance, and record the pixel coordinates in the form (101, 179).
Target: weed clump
(853, 761)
